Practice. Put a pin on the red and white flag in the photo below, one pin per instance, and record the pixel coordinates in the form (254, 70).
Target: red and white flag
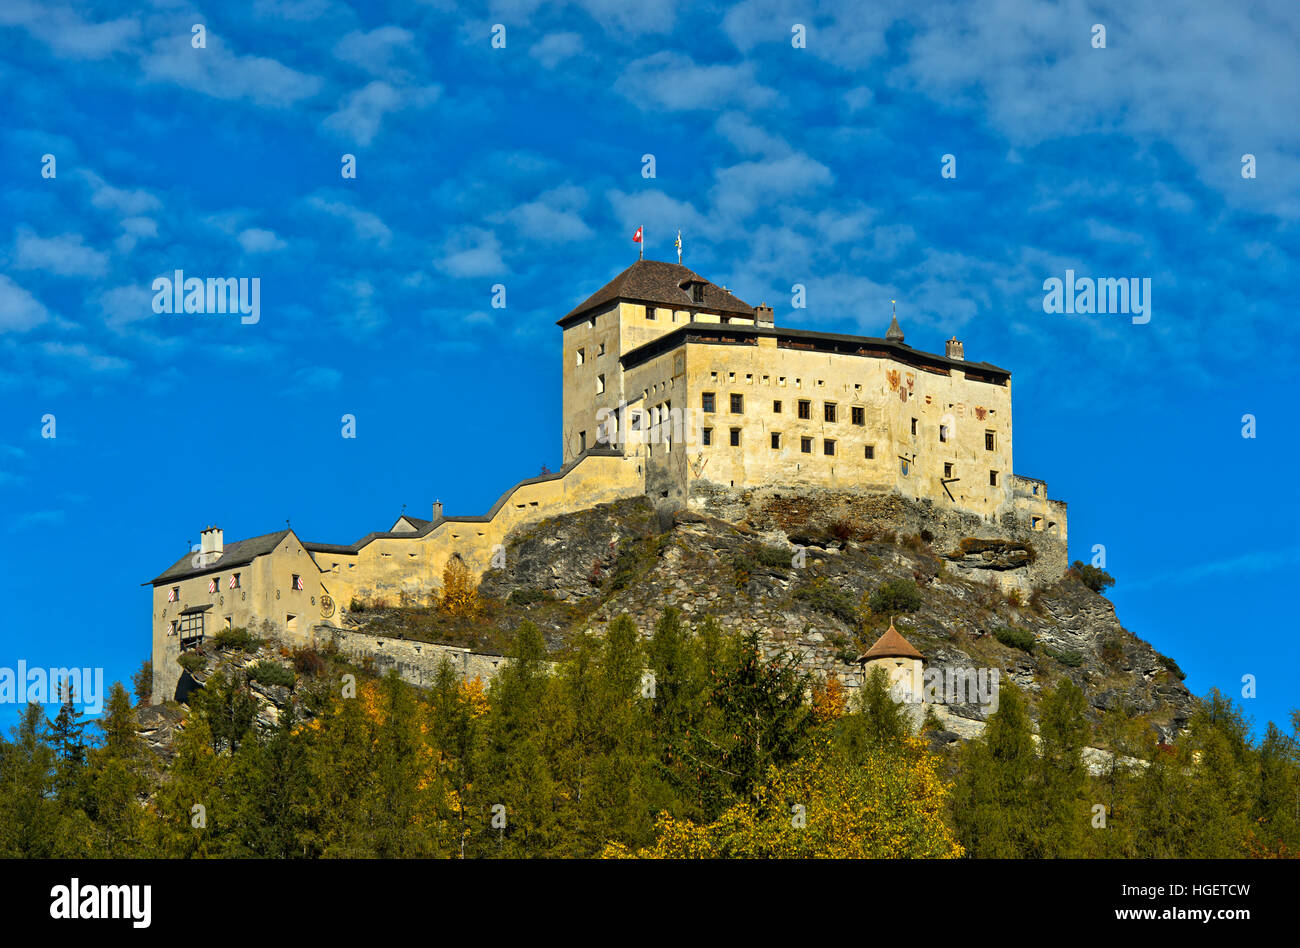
(171, 594)
(232, 581)
(212, 585)
(297, 582)
(636, 238)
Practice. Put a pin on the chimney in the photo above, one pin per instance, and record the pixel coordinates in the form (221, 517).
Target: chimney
(210, 544)
(763, 315)
(437, 510)
(953, 349)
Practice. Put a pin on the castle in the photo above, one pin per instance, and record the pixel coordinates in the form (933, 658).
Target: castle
(672, 386)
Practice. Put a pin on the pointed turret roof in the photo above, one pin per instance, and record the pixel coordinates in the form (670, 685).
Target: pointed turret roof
(894, 333)
(890, 645)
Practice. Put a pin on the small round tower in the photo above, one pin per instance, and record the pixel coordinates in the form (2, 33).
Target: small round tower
(900, 660)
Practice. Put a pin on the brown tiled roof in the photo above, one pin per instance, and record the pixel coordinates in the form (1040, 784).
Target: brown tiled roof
(890, 645)
(654, 281)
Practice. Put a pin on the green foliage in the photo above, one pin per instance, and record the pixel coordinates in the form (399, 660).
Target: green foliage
(1112, 650)
(825, 598)
(526, 597)
(1015, 637)
(577, 753)
(895, 596)
(191, 661)
(1171, 666)
(271, 673)
(1098, 580)
(142, 682)
(235, 638)
(1067, 658)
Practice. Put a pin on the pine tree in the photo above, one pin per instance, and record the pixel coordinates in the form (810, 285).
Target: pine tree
(993, 811)
(1062, 773)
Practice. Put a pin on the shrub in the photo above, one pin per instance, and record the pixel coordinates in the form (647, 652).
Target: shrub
(526, 597)
(827, 599)
(896, 595)
(1016, 598)
(1112, 650)
(308, 661)
(191, 661)
(356, 605)
(235, 638)
(271, 673)
(1015, 637)
(1171, 666)
(1098, 580)
(841, 529)
(1068, 659)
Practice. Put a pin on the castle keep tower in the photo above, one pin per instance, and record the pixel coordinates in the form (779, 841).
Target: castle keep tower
(710, 390)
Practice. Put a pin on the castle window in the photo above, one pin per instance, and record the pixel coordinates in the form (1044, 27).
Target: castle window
(805, 408)
(805, 445)
(582, 356)
(776, 441)
(601, 350)
(649, 312)
(735, 437)
(737, 404)
(828, 447)
(706, 436)
(749, 379)
(697, 292)
(776, 406)
(297, 582)
(1035, 489)
(1036, 522)
(993, 478)
(291, 623)
(947, 470)
(828, 410)
(226, 620)
(600, 384)
(582, 441)
(943, 432)
(731, 376)
(591, 323)
(990, 440)
(869, 452)
(780, 380)
(913, 427)
(903, 466)
(859, 415)
(234, 581)
(706, 401)
(174, 595)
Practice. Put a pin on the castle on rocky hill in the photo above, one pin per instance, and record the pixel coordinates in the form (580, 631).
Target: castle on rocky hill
(676, 389)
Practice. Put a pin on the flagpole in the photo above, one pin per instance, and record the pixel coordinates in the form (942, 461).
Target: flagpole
(641, 247)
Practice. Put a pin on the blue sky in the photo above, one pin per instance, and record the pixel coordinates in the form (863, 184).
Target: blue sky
(522, 166)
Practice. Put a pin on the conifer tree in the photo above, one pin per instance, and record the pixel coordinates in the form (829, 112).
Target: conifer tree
(993, 812)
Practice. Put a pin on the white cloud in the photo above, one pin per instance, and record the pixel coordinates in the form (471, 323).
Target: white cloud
(257, 240)
(19, 310)
(82, 354)
(473, 252)
(367, 226)
(66, 32)
(124, 305)
(555, 215)
(218, 72)
(65, 255)
(375, 51)
(672, 80)
(362, 112)
(554, 48)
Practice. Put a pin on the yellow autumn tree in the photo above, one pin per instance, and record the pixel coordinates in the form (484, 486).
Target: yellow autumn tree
(459, 591)
(887, 805)
(828, 699)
